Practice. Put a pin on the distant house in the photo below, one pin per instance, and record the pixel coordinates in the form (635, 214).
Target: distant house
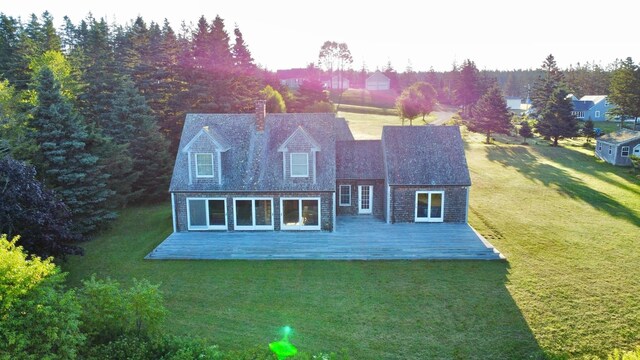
(282, 172)
(378, 82)
(334, 83)
(514, 103)
(293, 78)
(594, 107)
(615, 148)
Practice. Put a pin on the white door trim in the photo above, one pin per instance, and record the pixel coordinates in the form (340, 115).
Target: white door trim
(369, 208)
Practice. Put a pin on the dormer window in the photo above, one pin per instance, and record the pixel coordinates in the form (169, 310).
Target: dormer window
(204, 165)
(299, 165)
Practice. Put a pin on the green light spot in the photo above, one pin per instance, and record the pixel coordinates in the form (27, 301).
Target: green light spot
(283, 348)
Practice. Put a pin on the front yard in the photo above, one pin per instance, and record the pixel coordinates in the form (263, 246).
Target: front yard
(568, 225)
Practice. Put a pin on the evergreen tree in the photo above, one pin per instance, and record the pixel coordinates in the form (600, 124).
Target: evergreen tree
(67, 166)
(525, 131)
(588, 130)
(221, 56)
(544, 87)
(241, 54)
(9, 38)
(491, 115)
(556, 119)
(625, 91)
(131, 122)
(467, 87)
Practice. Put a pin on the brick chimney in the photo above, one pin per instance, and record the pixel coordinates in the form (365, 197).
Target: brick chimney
(261, 113)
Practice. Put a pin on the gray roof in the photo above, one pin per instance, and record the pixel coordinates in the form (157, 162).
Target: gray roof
(621, 136)
(252, 162)
(359, 159)
(343, 132)
(582, 105)
(424, 155)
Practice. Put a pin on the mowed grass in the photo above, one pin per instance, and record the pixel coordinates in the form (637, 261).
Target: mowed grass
(568, 224)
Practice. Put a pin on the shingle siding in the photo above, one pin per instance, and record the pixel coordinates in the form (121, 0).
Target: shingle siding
(403, 203)
(326, 206)
(379, 197)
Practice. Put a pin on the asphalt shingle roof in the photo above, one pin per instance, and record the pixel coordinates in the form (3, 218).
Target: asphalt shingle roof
(424, 155)
(620, 136)
(580, 105)
(252, 162)
(359, 160)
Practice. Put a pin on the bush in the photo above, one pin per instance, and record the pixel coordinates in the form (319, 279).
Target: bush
(627, 355)
(110, 311)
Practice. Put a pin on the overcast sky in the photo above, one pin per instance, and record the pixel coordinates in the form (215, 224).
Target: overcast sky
(494, 34)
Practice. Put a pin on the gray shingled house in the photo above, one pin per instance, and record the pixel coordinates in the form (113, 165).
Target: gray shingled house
(299, 171)
(616, 147)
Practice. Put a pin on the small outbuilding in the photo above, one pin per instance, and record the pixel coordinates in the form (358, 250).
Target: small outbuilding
(617, 147)
(378, 82)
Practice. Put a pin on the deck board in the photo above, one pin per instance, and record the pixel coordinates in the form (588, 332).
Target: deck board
(355, 238)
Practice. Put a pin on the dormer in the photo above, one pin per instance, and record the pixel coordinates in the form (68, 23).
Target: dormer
(204, 156)
(299, 157)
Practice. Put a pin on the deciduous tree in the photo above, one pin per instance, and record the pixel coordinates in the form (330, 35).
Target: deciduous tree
(625, 91)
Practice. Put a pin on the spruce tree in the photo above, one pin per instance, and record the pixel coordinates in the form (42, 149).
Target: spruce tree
(588, 130)
(625, 90)
(132, 122)
(525, 131)
(556, 119)
(241, 54)
(68, 167)
(491, 115)
(544, 87)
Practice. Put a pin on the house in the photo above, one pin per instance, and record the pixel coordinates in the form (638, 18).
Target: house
(334, 83)
(293, 78)
(377, 82)
(514, 104)
(616, 147)
(277, 172)
(594, 107)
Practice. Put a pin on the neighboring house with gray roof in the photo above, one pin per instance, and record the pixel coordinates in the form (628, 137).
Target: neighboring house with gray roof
(617, 147)
(591, 107)
(299, 171)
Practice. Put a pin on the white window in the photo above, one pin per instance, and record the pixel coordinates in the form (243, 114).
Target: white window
(300, 213)
(253, 213)
(610, 149)
(597, 114)
(636, 150)
(204, 165)
(429, 206)
(206, 214)
(299, 164)
(345, 195)
(624, 151)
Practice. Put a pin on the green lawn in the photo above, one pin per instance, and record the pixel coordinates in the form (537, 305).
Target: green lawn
(568, 224)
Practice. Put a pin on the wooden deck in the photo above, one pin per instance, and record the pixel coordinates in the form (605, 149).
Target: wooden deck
(355, 238)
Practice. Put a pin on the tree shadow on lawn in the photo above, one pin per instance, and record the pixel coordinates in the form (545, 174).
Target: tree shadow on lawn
(371, 309)
(589, 165)
(527, 164)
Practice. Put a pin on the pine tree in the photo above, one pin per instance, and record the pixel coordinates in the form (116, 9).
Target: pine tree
(221, 57)
(67, 166)
(556, 119)
(131, 122)
(467, 86)
(491, 115)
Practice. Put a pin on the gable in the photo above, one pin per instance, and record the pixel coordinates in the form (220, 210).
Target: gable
(300, 140)
(359, 159)
(424, 155)
(204, 140)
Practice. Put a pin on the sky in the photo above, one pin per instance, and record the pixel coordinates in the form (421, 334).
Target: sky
(496, 35)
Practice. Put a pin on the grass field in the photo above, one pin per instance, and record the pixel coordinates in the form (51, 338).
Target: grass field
(568, 224)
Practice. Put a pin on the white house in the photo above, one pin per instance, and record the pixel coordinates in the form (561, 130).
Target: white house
(378, 82)
(514, 103)
(335, 83)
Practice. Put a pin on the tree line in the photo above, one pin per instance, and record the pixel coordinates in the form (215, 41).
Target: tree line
(93, 114)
